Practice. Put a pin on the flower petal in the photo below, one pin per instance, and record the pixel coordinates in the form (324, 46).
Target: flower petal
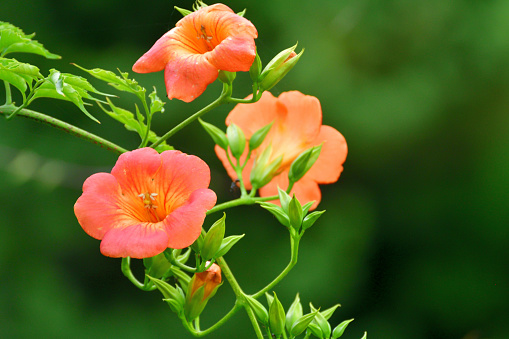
(157, 56)
(188, 76)
(329, 165)
(179, 177)
(305, 114)
(183, 225)
(142, 240)
(233, 54)
(96, 209)
(135, 170)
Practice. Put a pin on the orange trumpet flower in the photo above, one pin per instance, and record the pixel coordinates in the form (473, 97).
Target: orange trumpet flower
(202, 43)
(297, 126)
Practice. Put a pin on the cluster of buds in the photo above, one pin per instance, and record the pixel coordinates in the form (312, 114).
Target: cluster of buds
(294, 321)
(292, 214)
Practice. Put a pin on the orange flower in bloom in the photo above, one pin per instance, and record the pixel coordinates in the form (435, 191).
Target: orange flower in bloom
(202, 43)
(149, 202)
(297, 126)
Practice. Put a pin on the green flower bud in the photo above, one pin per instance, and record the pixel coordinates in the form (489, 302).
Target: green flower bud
(303, 163)
(276, 316)
(172, 295)
(277, 61)
(284, 199)
(256, 68)
(257, 138)
(276, 74)
(236, 140)
(217, 135)
(213, 239)
(263, 171)
(310, 219)
(227, 244)
(340, 329)
(182, 278)
(198, 244)
(295, 213)
(276, 211)
(302, 323)
(323, 324)
(259, 310)
(182, 11)
(156, 266)
(294, 313)
(226, 77)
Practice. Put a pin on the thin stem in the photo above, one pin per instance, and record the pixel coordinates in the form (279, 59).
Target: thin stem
(171, 258)
(239, 294)
(149, 122)
(224, 319)
(126, 269)
(8, 95)
(239, 202)
(61, 125)
(293, 260)
(222, 99)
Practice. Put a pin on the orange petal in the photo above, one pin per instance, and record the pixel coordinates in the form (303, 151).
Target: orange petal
(142, 240)
(188, 76)
(304, 114)
(329, 165)
(234, 54)
(183, 225)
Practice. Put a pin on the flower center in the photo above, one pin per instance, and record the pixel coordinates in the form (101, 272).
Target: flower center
(207, 38)
(148, 200)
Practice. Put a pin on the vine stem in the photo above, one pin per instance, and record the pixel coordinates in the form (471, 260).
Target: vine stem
(126, 270)
(8, 95)
(223, 98)
(294, 243)
(63, 126)
(247, 200)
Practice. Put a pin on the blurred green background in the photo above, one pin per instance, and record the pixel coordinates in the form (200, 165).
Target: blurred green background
(415, 240)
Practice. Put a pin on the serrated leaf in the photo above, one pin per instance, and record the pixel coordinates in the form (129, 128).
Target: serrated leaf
(18, 74)
(13, 40)
(121, 83)
(156, 104)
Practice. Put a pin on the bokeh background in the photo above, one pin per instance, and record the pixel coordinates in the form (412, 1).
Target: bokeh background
(414, 243)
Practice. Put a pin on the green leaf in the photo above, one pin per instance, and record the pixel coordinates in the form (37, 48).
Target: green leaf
(13, 40)
(310, 219)
(18, 74)
(227, 244)
(329, 312)
(213, 239)
(340, 329)
(121, 83)
(257, 138)
(156, 104)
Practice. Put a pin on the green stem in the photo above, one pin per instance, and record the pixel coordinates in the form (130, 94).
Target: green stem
(240, 295)
(8, 95)
(221, 100)
(149, 122)
(61, 125)
(293, 260)
(238, 202)
(126, 269)
(224, 319)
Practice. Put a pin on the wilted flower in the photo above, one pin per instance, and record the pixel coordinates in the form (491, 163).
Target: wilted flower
(202, 43)
(297, 126)
(148, 203)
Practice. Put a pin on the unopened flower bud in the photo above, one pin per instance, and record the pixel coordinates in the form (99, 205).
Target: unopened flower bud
(236, 140)
(264, 169)
(226, 77)
(278, 72)
(213, 239)
(202, 287)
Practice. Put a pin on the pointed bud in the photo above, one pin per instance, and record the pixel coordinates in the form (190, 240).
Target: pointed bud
(201, 288)
(198, 244)
(227, 244)
(172, 295)
(256, 68)
(236, 140)
(226, 77)
(277, 61)
(310, 219)
(275, 75)
(295, 213)
(182, 11)
(302, 323)
(182, 278)
(284, 199)
(301, 165)
(257, 138)
(276, 211)
(270, 299)
(323, 324)
(263, 171)
(156, 266)
(217, 135)
(213, 239)
(259, 310)
(294, 313)
(340, 329)
(276, 317)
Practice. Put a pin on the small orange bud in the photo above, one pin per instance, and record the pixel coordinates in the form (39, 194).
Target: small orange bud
(202, 287)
